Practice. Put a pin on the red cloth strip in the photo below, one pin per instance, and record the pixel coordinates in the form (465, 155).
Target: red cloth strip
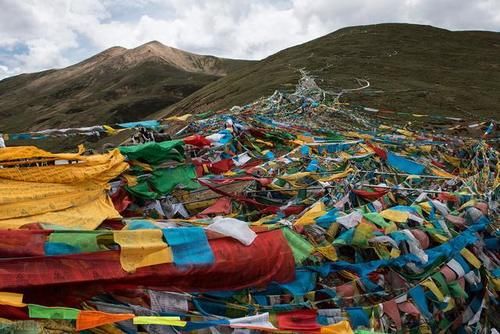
(21, 243)
(267, 259)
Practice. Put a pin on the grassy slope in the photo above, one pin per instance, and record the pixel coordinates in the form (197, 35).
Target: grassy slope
(411, 68)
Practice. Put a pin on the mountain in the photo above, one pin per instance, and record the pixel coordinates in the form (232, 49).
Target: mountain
(411, 68)
(116, 85)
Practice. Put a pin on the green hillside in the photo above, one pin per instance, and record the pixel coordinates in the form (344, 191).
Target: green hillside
(411, 68)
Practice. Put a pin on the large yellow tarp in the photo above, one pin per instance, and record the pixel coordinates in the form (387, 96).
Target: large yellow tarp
(23, 199)
(87, 216)
(67, 195)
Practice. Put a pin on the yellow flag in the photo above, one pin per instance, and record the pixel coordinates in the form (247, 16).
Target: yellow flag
(158, 320)
(328, 251)
(182, 118)
(295, 176)
(131, 179)
(425, 206)
(467, 204)
(97, 169)
(110, 130)
(425, 148)
(72, 195)
(496, 283)
(439, 172)
(471, 258)
(142, 248)
(337, 176)
(11, 299)
(264, 142)
(305, 139)
(429, 284)
(405, 132)
(395, 252)
(395, 215)
(342, 327)
(439, 237)
(353, 134)
(450, 306)
(317, 210)
(452, 160)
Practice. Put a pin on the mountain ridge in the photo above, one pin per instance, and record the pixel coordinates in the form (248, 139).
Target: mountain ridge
(411, 68)
(117, 84)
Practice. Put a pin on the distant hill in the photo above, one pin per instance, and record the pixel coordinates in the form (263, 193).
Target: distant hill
(411, 68)
(116, 85)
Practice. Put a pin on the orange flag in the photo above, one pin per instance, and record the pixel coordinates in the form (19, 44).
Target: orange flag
(342, 327)
(91, 319)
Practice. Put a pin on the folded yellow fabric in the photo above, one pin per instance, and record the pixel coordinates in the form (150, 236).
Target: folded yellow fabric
(30, 152)
(142, 248)
(22, 199)
(11, 299)
(99, 168)
(71, 195)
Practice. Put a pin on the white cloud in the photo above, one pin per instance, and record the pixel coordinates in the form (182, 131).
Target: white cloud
(55, 33)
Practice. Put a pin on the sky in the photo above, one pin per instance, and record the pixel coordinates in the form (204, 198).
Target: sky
(42, 34)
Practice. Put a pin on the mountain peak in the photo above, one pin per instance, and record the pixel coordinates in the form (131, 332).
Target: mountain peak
(154, 43)
(154, 47)
(111, 52)
(187, 61)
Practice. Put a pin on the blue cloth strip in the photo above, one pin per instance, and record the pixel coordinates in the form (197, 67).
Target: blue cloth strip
(141, 225)
(152, 124)
(189, 245)
(358, 317)
(404, 165)
(417, 293)
(304, 282)
(59, 248)
(444, 251)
